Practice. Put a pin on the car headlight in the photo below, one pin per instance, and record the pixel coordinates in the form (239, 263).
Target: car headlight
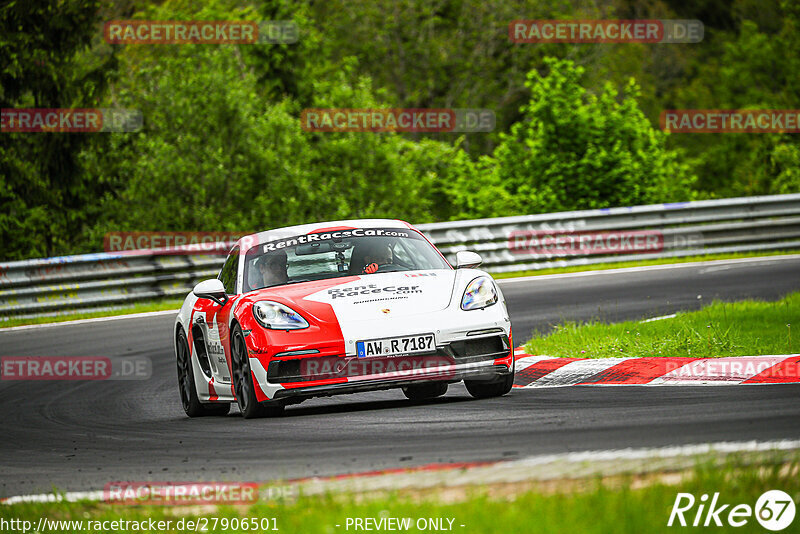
(277, 316)
(480, 293)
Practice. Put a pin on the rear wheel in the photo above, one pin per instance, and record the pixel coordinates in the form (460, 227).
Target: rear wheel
(425, 390)
(243, 381)
(191, 403)
(493, 388)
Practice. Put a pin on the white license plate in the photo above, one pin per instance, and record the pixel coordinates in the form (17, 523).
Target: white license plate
(391, 346)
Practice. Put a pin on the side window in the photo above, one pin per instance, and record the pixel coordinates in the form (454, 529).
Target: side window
(401, 256)
(227, 275)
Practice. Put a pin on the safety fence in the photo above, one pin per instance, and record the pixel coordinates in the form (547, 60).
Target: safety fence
(89, 282)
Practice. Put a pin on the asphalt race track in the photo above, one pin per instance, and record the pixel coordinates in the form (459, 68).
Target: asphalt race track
(82, 435)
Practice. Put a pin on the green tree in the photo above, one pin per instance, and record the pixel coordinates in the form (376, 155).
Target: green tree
(576, 150)
(220, 152)
(755, 67)
(45, 200)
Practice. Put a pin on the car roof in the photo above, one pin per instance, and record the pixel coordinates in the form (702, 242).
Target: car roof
(249, 241)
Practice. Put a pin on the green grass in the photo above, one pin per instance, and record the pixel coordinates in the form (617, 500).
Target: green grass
(159, 305)
(625, 264)
(625, 506)
(747, 328)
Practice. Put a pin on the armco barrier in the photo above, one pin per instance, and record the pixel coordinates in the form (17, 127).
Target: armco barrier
(91, 281)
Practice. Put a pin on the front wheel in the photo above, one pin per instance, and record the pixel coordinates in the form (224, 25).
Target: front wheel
(495, 388)
(191, 403)
(243, 381)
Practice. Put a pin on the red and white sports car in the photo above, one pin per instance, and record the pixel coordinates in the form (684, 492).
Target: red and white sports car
(340, 307)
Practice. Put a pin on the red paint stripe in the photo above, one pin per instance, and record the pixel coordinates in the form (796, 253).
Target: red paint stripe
(531, 374)
(310, 383)
(421, 468)
(637, 371)
(508, 361)
(331, 229)
(785, 372)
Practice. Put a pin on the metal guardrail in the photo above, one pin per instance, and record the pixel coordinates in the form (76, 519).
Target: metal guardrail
(90, 282)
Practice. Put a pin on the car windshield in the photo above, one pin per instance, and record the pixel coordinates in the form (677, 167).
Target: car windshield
(339, 253)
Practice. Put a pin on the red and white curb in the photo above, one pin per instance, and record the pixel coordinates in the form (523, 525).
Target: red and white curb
(544, 371)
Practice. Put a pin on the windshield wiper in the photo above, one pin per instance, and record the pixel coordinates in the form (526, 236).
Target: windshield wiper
(297, 281)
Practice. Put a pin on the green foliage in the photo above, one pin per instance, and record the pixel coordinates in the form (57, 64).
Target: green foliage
(215, 154)
(445, 54)
(222, 147)
(576, 150)
(753, 68)
(785, 166)
(45, 199)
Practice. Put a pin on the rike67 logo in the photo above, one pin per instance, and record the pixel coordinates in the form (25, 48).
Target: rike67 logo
(774, 510)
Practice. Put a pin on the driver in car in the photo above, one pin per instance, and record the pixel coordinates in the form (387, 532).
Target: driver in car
(273, 269)
(377, 256)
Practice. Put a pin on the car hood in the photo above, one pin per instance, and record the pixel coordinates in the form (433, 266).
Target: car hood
(389, 294)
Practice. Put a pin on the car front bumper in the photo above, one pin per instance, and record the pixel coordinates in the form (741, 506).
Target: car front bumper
(482, 357)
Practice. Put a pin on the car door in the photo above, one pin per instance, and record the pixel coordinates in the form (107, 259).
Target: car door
(211, 320)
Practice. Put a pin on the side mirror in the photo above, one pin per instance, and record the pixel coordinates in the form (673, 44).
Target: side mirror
(212, 290)
(466, 259)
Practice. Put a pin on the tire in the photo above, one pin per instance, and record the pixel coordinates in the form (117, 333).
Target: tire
(243, 381)
(186, 387)
(495, 388)
(424, 391)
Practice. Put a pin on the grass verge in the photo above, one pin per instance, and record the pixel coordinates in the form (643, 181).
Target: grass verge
(159, 305)
(626, 506)
(747, 328)
(643, 263)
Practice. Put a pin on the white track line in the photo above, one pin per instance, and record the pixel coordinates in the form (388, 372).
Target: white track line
(497, 472)
(661, 318)
(645, 268)
(69, 496)
(92, 320)
(661, 452)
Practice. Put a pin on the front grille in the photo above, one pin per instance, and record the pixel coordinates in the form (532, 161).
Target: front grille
(330, 367)
(327, 367)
